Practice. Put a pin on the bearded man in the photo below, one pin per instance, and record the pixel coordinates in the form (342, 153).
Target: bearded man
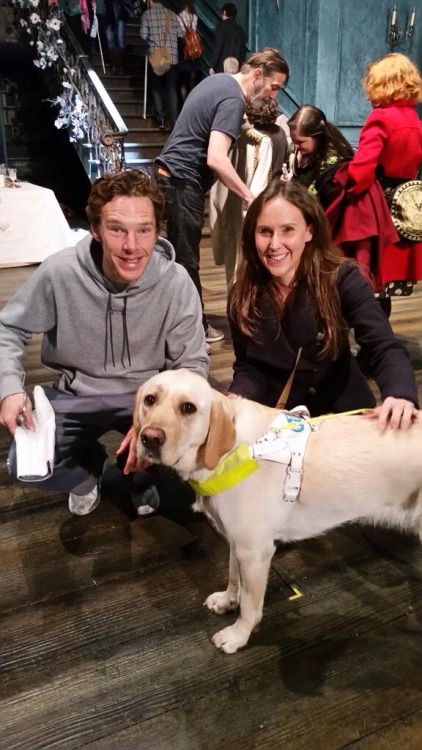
(197, 152)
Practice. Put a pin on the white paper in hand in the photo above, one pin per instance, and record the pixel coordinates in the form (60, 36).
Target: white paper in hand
(35, 450)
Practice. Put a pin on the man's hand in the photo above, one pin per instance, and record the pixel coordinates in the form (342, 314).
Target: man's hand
(129, 444)
(395, 413)
(17, 409)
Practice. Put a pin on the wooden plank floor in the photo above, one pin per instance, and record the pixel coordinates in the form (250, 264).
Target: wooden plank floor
(105, 643)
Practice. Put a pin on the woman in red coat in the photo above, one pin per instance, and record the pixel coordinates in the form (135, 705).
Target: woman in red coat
(390, 149)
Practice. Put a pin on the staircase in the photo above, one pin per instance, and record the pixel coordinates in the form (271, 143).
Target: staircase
(144, 140)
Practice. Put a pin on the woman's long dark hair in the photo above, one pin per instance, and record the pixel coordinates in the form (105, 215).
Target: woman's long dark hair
(256, 289)
(310, 122)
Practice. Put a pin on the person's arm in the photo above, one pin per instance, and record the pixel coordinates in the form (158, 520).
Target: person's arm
(144, 30)
(185, 337)
(31, 309)
(388, 359)
(248, 381)
(372, 142)
(219, 161)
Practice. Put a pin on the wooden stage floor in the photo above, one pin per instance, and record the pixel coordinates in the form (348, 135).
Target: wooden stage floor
(105, 643)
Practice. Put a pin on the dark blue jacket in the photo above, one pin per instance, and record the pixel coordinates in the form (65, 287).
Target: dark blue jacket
(324, 385)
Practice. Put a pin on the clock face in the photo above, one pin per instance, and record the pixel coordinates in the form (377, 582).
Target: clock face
(406, 210)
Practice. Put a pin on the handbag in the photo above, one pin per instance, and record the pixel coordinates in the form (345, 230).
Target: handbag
(405, 203)
(160, 59)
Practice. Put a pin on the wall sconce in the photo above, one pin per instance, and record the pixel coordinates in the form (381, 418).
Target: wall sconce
(399, 37)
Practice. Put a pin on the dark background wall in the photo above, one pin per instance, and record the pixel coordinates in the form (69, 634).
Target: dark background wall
(328, 44)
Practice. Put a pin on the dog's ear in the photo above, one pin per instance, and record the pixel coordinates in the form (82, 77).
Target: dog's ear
(221, 436)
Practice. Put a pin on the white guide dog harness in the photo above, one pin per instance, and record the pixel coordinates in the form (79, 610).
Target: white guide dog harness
(285, 442)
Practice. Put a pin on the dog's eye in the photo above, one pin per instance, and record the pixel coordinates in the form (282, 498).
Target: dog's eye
(149, 400)
(188, 408)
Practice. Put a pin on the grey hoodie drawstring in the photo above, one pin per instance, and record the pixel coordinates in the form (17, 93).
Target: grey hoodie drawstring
(125, 336)
(109, 334)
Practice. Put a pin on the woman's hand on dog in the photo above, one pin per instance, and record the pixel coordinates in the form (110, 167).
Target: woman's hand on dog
(129, 444)
(395, 413)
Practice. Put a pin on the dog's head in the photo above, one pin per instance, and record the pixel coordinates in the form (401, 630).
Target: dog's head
(180, 421)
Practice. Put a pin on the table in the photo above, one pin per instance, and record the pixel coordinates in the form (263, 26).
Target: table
(32, 225)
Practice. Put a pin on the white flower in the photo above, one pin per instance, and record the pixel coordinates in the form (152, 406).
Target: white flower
(53, 23)
(66, 85)
(34, 3)
(35, 18)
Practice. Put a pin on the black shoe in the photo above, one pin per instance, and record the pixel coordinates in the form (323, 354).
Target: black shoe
(162, 123)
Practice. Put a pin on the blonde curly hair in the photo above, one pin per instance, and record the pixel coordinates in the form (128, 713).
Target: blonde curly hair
(391, 78)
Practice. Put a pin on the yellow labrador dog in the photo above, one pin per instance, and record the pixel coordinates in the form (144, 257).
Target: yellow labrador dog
(351, 471)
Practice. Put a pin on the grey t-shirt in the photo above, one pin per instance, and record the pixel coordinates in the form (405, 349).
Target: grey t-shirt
(217, 103)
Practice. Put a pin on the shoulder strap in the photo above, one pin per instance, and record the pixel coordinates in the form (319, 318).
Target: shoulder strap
(167, 26)
(284, 395)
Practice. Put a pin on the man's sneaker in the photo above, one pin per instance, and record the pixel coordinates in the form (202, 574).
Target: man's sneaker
(81, 505)
(213, 334)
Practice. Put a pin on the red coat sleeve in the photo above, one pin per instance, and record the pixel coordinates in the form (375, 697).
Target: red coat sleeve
(372, 142)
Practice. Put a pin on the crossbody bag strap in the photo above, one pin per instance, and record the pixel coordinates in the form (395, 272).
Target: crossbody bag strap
(167, 28)
(284, 395)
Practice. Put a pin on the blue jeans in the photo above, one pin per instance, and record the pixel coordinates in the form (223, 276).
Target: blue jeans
(184, 213)
(116, 35)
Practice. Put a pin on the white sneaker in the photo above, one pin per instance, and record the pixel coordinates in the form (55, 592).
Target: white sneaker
(213, 334)
(81, 505)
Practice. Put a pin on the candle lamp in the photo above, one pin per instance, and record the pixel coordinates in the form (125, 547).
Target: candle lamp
(395, 36)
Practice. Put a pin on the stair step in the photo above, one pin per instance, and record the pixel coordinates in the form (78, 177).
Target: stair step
(145, 151)
(124, 95)
(131, 108)
(123, 83)
(132, 163)
(150, 138)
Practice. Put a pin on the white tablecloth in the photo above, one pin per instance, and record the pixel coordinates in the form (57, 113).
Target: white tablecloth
(32, 225)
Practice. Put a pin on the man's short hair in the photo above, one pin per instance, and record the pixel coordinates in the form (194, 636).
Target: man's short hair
(231, 65)
(269, 60)
(230, 10)
(130, 183)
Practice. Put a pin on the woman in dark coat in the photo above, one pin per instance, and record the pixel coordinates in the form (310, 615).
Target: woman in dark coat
(294, 290)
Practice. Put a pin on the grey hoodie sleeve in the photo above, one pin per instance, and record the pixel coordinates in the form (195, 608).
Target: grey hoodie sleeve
(31, 310)
(185, 339)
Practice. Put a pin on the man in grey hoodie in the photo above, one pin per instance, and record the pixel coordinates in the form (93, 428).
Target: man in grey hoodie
(114, 310)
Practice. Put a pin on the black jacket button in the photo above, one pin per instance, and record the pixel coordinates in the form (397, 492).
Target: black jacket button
(312, 391)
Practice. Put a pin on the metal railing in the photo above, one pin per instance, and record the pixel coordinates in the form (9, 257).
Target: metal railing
(84, 108)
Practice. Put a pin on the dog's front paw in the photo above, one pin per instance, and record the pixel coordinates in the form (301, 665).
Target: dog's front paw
(231, 638)
(220, 602)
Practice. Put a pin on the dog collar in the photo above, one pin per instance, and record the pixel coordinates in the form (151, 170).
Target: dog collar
(235, 467)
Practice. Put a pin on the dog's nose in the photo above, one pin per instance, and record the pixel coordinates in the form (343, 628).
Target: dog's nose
(153, 438)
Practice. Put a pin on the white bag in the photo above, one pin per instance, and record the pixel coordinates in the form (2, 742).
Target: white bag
(35, 450)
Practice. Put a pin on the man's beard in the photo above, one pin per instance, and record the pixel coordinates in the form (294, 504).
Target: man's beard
(255, 99)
